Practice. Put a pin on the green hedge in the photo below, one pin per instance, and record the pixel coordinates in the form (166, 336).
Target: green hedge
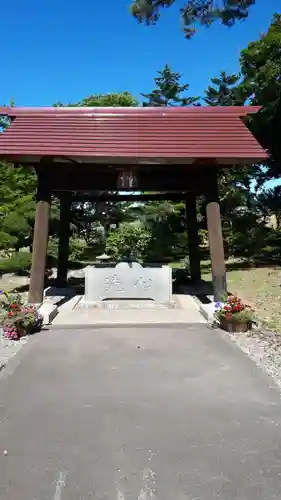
(19, 263)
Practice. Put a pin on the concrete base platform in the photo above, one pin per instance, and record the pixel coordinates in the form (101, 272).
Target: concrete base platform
(186, 312)
(207, 309)
(49, 311)
(54, 291)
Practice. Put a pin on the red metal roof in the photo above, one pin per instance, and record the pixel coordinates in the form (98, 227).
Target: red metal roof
(170, 134)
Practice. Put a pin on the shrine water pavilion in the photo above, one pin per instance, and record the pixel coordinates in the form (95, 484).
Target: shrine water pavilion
(174, 153)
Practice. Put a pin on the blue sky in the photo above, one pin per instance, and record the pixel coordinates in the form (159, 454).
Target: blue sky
(57, 50)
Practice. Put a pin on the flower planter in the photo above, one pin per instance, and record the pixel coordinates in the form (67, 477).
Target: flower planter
(30, 330)
(20, 319)
(15, 332)
(235, 326)
(10, 332)
(21, 331)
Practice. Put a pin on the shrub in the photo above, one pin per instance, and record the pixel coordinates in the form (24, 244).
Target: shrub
(79, 250)
(204, 237)
(7, 241)
(128, 241)
(77, 247)
(19, 263)
(53, 248)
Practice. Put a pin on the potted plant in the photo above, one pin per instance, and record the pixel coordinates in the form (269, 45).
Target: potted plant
(19, 319)
(233, 315)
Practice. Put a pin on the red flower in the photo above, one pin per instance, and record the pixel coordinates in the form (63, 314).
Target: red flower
(10, 314)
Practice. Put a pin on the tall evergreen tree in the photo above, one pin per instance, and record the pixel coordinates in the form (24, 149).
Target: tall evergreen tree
(204, 12)
(169, 90)
(268, 205)
(17, 206)
(261, 70)
(225, 91)
(234, 183)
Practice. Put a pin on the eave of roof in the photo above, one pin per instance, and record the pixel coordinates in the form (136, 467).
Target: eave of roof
(133, 134)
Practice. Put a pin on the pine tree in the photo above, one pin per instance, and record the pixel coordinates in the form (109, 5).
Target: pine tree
(261, 72)
(225, 92)
(194, 12)
(234, 183)
(17, 205)
(169, 90)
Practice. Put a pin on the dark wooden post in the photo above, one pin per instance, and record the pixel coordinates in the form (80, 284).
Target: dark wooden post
(65, 205)
(215, 236)
(40, 241)
(193, 238)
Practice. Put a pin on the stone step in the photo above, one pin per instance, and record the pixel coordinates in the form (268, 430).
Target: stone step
(71, 315)
(126, 304)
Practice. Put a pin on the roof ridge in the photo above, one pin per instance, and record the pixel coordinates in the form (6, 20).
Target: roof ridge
(149, 111)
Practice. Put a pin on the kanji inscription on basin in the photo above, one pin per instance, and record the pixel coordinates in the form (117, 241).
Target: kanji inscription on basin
(128, 280)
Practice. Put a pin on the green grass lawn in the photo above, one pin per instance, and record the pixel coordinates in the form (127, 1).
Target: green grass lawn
(259, 286)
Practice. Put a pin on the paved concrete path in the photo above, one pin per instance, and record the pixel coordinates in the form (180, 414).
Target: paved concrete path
(138, 414)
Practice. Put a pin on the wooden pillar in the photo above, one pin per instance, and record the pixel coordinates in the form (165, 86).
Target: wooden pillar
(215, 237)
(40, 241)
(65, 205)
(193, 238)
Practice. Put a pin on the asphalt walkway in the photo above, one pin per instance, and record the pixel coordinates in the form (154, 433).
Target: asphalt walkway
(137, 414)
